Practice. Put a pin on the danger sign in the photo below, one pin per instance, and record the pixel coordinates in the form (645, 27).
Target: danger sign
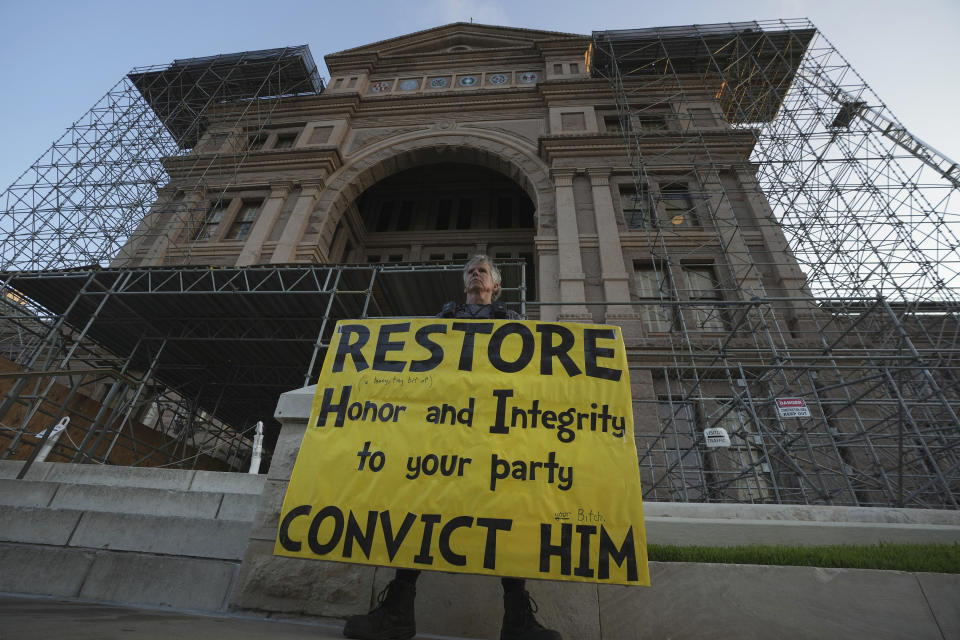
(792, 408)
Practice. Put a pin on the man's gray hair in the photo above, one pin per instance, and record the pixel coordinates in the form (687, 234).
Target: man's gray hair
(494, 271)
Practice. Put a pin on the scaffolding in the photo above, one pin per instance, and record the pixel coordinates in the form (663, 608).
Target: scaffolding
(171, 365)
(767, 117)
(98, 193)
(198, 355)
(838, 286)
(102, 183)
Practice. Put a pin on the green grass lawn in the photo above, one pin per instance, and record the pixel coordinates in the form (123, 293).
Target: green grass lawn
(937, 558)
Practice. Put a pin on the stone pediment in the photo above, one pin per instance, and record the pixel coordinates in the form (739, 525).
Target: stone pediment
(455, 38)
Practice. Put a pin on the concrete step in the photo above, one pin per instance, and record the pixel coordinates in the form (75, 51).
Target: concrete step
(156, 537)
(119, 499)
(157, 534)
(136, 477)
(136, 558)
(200, 584)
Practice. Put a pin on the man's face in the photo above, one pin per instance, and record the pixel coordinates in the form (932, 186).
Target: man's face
(478, 282)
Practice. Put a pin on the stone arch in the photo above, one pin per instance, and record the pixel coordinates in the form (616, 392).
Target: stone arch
(396, 154)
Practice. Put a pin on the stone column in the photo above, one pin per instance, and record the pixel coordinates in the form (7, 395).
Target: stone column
(264, 223)
(616, 281)
(286, 250)
(571, 277)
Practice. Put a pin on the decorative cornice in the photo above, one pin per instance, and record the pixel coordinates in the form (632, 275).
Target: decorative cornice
(457, 99)
(738, 145)
(429, 64)
(191, 167)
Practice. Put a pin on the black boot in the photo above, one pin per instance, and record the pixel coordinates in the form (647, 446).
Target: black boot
(392, 619)
(519, 623)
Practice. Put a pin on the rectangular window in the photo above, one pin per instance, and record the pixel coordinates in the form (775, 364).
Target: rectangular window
(352, 82)
(611, 124)
(558, 69)
(504, 213)
(678, 209)
(655, 292)
(464, 214)
(386, 216)
(373, 258)
(459, 256)
(285, 141)
(405, 219)
(338, 83)
(437, 257)
(444, 209)
(244, 219)
(257, 142)
(574, 67)
(636, 207)
(651, 121)
(395, 257)
(702, 285)
(214, 217)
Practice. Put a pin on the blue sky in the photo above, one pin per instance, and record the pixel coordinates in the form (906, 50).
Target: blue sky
(58, 58)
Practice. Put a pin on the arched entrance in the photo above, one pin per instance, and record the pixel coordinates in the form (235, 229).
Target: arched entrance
(435, 199)
(445, 212)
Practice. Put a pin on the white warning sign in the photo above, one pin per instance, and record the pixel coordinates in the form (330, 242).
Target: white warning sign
(792, 408)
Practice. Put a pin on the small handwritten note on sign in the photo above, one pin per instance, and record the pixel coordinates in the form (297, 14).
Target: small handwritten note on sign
(476, 446)
(793, 408)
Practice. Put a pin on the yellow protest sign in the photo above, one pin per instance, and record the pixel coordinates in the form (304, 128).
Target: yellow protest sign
(478, 446)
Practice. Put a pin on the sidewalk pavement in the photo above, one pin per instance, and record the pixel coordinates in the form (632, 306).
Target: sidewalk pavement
(43, 618)
(34, 618)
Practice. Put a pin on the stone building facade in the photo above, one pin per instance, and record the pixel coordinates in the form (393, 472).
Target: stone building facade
(632, 200)
(466, 139)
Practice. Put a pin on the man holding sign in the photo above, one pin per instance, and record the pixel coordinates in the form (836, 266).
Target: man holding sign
(485, 444)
